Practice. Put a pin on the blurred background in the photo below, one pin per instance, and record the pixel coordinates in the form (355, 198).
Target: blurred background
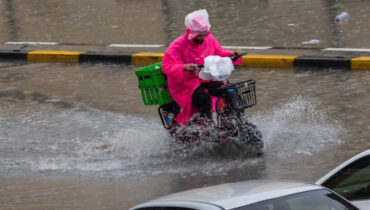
(278, 23)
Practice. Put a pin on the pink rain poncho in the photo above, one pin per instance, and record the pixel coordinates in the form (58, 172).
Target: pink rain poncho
(183, 51)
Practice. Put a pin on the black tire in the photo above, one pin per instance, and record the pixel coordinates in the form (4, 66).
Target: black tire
(252, 138)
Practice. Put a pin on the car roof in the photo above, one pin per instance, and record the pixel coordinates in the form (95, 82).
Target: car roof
(232, 195)
(341, 166)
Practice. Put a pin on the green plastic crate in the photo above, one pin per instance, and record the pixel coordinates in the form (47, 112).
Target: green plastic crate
(153, 85)
(151, 75)
(156, 95)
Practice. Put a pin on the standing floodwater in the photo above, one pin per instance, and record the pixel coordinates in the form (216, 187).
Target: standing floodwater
(78, 135)
(278, 23)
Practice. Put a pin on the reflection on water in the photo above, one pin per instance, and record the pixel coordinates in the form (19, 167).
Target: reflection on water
(65, 122)
(279, 23)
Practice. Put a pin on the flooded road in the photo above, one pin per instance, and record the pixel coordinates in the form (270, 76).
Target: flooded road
(277, 23)
(78, 137)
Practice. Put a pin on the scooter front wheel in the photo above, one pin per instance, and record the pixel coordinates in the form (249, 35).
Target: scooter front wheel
(252, 137)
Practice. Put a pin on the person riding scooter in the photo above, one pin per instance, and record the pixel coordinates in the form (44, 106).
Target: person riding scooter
(180, 64)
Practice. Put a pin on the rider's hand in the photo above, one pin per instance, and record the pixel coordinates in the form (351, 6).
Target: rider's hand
(190, 67)
(236, 55)
(237, 52)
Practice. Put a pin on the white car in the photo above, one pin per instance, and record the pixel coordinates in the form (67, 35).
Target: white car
(351, 179)
(252, 195)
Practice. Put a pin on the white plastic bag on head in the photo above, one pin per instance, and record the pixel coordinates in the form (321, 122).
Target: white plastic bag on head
(216, 68)
(197, 22)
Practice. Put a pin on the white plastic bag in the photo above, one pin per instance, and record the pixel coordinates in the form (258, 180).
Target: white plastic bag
(216, 68)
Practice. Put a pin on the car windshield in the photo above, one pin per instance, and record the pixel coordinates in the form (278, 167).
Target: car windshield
(353, 182)
(313, 200)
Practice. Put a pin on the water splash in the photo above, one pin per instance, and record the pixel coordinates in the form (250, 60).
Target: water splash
(88, 142)
(297, 127)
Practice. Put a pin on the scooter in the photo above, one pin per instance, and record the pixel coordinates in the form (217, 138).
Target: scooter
(230, 122)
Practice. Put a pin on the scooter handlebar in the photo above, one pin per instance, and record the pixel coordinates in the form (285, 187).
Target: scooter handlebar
(236, 56)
